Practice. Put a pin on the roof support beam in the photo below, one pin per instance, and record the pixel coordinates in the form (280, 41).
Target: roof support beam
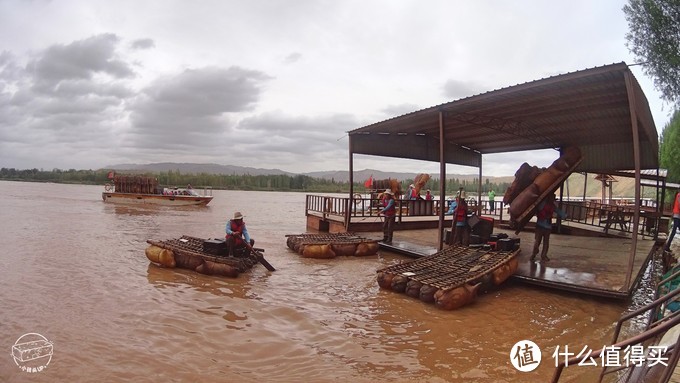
(416, 147)
(442, 181)
(636, 157)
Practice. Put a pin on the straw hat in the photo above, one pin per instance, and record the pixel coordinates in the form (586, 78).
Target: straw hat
(238, 215)
(389, 191)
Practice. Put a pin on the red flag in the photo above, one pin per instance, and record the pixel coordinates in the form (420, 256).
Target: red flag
(369, 182)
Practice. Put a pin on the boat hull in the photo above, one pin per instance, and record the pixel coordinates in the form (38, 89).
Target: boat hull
(155, 199)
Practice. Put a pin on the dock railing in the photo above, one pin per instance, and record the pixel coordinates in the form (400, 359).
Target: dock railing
(341, 207)
(614, 217)
(657, 325)
(610, 217)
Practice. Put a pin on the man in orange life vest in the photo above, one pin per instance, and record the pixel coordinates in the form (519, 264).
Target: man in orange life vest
(237, 234)
(676, 220)
(545, 211)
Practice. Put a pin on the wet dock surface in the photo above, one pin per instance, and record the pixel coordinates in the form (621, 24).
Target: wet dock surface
(588, 265)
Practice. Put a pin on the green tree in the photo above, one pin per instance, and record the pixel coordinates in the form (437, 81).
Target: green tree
(654, 37)
(669, 148)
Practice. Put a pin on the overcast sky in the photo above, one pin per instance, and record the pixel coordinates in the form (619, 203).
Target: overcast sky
(273, 84)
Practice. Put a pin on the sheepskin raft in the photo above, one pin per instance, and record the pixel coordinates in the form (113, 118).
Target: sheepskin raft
(187, 253)
(451, 277)
(533, 185)
(331, 245)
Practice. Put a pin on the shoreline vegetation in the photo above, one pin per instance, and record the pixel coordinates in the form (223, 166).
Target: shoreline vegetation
(245, 182)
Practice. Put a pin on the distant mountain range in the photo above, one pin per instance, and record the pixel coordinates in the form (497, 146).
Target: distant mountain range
(337, 175)
(623, 187)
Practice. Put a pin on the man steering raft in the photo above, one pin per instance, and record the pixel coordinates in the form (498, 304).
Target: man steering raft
(237, 235)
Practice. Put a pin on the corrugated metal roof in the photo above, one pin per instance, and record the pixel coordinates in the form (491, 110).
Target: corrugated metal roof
(592, 109)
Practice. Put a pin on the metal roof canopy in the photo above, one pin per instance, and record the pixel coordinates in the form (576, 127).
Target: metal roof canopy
(601, 110)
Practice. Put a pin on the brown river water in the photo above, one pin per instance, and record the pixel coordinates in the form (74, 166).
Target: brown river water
(74, 271)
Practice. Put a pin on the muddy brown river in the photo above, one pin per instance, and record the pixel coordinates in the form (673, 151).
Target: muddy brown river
(74, 271)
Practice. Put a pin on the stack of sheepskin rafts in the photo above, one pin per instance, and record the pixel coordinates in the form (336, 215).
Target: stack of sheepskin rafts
(532, 185)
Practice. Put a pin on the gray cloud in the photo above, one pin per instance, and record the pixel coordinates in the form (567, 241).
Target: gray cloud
(284, 140)
(79, 60)
(456, 89)
(143, 44)
(60, 104)
(293, 57)
(191, 108)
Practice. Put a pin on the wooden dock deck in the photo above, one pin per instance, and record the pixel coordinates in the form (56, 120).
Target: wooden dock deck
(583, 264)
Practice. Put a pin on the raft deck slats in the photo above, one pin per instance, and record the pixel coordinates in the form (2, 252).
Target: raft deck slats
(452, 267)
(319, 239)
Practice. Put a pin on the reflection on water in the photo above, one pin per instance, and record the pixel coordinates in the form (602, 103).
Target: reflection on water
(74, 270)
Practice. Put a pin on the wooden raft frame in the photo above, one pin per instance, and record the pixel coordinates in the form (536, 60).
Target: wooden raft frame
(452, 267)
(192, 246)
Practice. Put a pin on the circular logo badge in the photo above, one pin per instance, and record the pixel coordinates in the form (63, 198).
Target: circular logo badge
(32, 352)
(525, 355)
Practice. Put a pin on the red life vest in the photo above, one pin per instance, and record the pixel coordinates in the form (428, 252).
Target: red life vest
(676, 204)
(461, 210)
(392, 210)
(237, 225)
(546, 212)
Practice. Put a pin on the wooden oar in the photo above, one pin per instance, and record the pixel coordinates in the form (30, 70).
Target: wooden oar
(259, 257)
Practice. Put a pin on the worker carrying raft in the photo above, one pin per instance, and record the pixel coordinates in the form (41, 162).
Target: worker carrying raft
(237, 238)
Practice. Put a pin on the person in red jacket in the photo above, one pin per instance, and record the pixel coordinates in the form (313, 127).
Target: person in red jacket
(544, 214)
(237, 234)
(676, 220)
(461, 230)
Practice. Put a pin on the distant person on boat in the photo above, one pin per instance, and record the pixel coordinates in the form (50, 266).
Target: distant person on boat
(428, 195)
(237, 235)
(390, 212)
(545, 211)
(461, 230)
(411, 192)
(676, 220)
(190, 190)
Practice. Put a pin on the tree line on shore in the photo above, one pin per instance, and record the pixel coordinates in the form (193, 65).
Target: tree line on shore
(171, 178)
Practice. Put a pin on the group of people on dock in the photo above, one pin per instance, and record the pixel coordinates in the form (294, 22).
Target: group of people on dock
(545, 211)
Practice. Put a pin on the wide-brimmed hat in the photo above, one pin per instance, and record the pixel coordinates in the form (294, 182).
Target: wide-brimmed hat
(238, 215)
(389, 191)
(411, 186)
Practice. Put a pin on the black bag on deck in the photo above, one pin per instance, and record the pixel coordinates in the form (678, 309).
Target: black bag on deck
(215, 247)
(507, 244)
